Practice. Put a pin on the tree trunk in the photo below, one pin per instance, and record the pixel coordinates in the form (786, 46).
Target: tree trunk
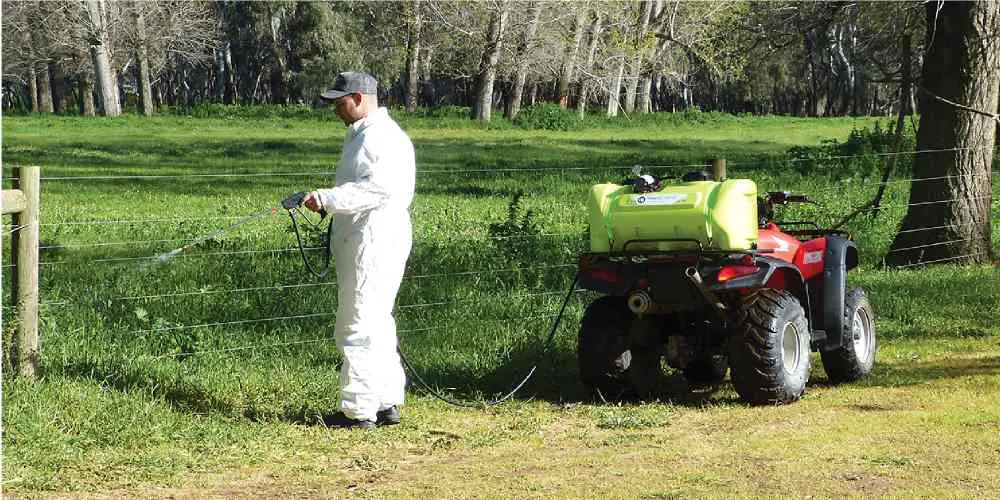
(524, 57)
(906, 89)
(428, 83)
(103, 71)
(635, 80)
(595, 37)
(33, 87)
(44, 86)
(569, 64)
(220, 73)
(483, 105)
(812, 102)
(32, 72)
(948, 218)
(413, 55)
(58, 86)
(142, 65)
(86, 84)
(645, 92)
(614, 90)
(276, 74)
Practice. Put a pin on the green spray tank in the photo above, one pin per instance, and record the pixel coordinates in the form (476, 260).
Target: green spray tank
(717, 215)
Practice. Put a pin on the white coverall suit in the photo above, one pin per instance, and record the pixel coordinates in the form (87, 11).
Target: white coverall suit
(372, 237)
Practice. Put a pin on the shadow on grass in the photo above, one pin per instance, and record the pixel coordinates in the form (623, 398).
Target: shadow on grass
(555, 380)
(902, 374)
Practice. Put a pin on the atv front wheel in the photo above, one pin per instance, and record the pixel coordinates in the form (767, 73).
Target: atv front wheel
(769, 351)
(855, 358)
(612, 366)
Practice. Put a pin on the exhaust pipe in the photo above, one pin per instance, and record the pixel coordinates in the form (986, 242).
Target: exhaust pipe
(640, 302)
(712, 299)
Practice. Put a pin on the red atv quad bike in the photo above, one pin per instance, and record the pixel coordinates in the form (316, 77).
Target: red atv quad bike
(753, 298)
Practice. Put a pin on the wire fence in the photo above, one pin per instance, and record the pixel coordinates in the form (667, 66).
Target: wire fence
(207, 289)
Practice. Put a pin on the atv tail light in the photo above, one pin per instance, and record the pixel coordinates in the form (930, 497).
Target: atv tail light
(604, 274)
(728, 273)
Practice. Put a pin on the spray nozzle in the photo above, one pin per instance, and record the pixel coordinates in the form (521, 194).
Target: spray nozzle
(294, 200)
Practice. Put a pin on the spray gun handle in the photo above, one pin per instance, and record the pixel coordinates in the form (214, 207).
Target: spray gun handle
(294, 200)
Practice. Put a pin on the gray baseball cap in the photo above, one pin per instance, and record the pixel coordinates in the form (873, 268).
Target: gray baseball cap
(351, 82)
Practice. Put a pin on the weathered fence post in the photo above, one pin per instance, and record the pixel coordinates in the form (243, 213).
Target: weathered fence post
(718, 168)
(24, 202)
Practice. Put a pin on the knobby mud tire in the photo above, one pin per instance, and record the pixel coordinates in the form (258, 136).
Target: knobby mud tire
(769, 350)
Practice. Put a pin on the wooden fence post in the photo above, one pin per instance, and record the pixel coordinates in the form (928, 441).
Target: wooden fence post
(24, 202)
(718, 169)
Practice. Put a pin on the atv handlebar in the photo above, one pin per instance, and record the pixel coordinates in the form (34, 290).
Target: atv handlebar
(785, 197)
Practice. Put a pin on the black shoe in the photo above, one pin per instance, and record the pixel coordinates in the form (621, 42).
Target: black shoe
(340, 421)
(388, 416)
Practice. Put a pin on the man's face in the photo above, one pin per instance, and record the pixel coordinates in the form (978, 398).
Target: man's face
(348, 108)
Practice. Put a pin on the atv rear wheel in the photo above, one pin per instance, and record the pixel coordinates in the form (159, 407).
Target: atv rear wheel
(613, 366)
(855, 358)
(769, 351)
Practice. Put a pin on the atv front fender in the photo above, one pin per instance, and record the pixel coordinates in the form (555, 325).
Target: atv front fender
(841, 256)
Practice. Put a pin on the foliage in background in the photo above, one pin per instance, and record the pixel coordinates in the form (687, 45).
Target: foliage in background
(546, 117)
(792, 58)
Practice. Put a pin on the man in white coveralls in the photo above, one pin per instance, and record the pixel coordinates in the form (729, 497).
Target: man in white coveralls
(371, 240)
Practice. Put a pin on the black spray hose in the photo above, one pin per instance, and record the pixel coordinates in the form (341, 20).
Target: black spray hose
(505, 397)
(302, 250)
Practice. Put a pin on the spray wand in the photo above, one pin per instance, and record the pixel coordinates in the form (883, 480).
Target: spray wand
(291, 204)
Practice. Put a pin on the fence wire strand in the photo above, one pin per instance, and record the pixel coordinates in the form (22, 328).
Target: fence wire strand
(413, 306)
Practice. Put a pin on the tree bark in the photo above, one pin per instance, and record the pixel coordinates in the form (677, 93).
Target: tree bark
(220, 73)
(906, 89)
(948, 218)
(812, 102)
(585, 84)
(483, 105)
(33, 87)
(413, 55)
(86, 86)
(277, 72)
(142, 65)
(44, 86)
(428, 83)
(569, 64)
(614, 90)
(103, 71)
(524, 56)
(32, 72)
(635, 80)
(645, 104)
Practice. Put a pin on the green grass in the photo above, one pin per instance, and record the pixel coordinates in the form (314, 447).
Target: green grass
(132, 400)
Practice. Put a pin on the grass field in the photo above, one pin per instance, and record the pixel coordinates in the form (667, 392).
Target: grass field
(137, 399)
